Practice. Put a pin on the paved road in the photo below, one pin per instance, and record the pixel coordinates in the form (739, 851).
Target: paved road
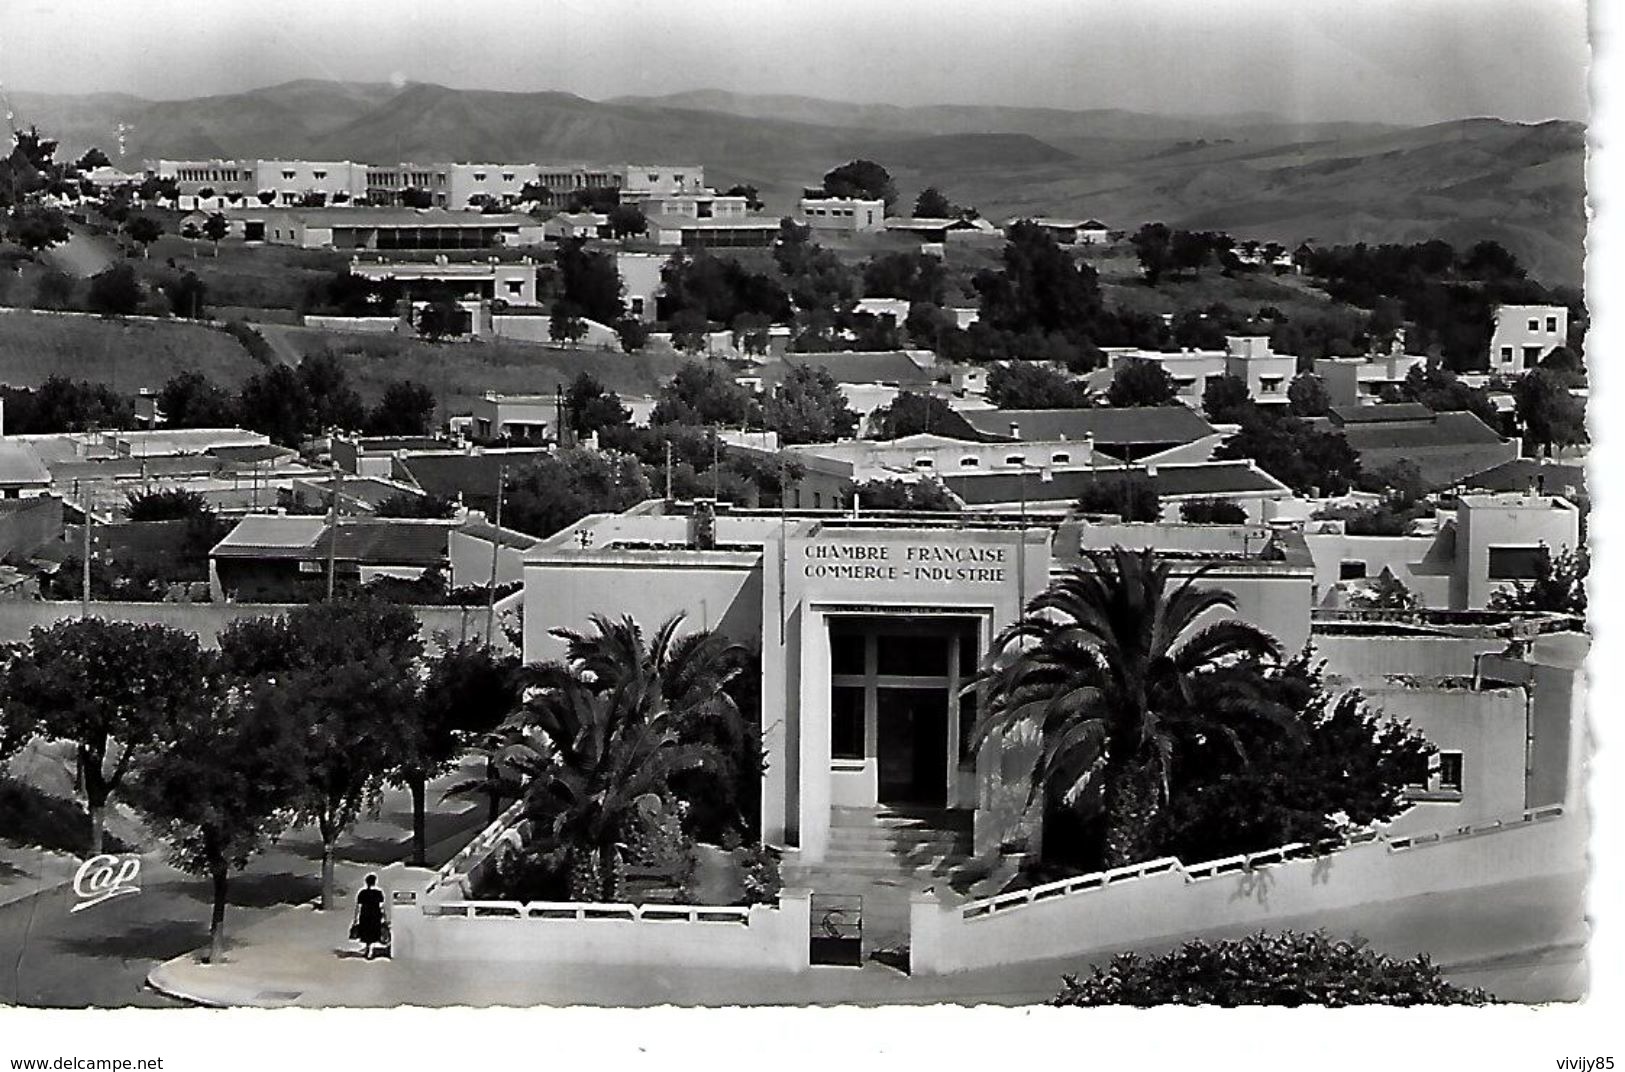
(51, 956)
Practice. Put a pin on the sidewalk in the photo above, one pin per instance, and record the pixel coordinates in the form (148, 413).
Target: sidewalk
(1523, 941)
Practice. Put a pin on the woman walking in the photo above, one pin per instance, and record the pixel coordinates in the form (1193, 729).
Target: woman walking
(368, 926)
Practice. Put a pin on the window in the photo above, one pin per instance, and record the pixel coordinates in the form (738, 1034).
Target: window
(846, 653)
(1450, 772)
(1060, 459)
(818, 500)
(288, 174)
(1270, 384)
(1515, 563)
(1350, 570)
(912, 655)
(515, 286)
(1016, 459)
(1506, 354)
(653, 177)
(637, 306)
(507, 176)
(924, 463)
(479, 176)
(320, 174)
(1551, 324)
(1534, 325)
(846, 722)
(1531, 356)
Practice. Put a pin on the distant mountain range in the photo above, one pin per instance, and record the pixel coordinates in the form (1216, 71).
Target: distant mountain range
(1257, 176)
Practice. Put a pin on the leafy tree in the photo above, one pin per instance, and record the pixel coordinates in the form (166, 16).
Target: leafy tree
(590, 281)
(173, 504)
(114, 291)
(406, 408)
(109, 689)
(751, 333)
(704, 394)
(1345, 767)
(1439, 390)
(1141, 382)
(333, 402)
(1290, 969)
(1041, 286)
(1558, 587)
(925, 496)
(339, 674)
(914, 277)
(1306, 396)
(1153, 246)
(277, 403)
(1212, 512)
(191, 400)
(627, 220)
(215, 228)
(1030, 385)
(910, 414)
(467, 692)
(564, 323)
(143, 231)
(94, 158)
(1564, 362)
(186, 294)
(932, 204)
(752, 196)
(442, 318)
(1106, 661)
(592, 406)
(808, 407)
(409, 504)
(63, 405)
(218, 790)
(54, 290)
(1223, 397)
(1550, 415)
(1133, 498)
(412, 197)
(633, 333)
(37, 227)
(689, 331)
(862, 179)
(552, 492)
(1292, 452)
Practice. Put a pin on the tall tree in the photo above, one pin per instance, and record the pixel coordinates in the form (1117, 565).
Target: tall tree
(114, 291)
(143, 230)
(933, 204)
(109, 689)
(910, 414)
(1041, 286)
(1307, 396)
(1558, 586)
(1030, 385)
(862, 179)
(218, 791)
(704, 394)
(37, 227)
(1152, 245)
(1105, 663)
(1224, 397)
(216, 228)
(1550, 415)
(277, 403)
(590, 281)
(564, 322)
(191, 400)
(467, 692)
(341, 673)
(592, 406)
(1142, 382)
(552, 492)
(808, 407)
(406, 408)
(334, 404)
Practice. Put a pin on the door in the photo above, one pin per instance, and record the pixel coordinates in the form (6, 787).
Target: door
(912, 727)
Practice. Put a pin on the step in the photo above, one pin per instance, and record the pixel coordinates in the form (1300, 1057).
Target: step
(943, 842)
(889, 819)
(842, 861)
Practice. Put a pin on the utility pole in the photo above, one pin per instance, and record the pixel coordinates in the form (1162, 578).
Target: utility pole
(668, 470)
(716, 473)
(84, 592)
(333, 531)
(496, 546)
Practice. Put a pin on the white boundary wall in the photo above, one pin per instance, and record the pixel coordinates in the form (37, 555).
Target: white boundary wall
(442, 924)
(1164, 898)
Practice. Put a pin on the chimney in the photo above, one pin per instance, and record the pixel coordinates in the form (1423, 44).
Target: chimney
(1015, 430)
(702, 525)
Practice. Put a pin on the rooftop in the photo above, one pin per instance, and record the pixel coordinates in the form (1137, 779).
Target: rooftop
(1201, 479)
(1380, 413)
(364, 216)
(1126, 426)
(19, 465)
(372, 541)
(900, 367)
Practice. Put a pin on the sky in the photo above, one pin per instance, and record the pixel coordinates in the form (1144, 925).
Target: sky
(1414, 61)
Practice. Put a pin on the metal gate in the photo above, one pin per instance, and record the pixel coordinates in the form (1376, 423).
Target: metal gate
(836, 929)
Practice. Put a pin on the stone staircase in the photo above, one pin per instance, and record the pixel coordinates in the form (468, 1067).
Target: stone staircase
(883, 855)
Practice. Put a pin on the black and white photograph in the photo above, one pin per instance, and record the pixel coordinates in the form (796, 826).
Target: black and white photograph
(1056, 506)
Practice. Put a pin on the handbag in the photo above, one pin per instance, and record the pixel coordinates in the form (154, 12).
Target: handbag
(355, 931)
(383, 932)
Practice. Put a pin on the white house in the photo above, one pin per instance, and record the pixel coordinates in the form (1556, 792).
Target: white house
(1523, 334)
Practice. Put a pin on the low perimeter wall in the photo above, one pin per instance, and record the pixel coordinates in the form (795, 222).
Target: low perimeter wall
(442, 923)
(1164, 898)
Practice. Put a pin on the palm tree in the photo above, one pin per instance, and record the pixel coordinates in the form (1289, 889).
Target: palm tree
(612, 725)
(1111, 666)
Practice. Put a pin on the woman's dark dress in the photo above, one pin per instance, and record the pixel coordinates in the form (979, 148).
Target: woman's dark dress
(370, 916)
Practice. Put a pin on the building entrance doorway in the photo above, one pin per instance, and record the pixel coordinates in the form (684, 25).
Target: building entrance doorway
(899, 729)
(913, 732)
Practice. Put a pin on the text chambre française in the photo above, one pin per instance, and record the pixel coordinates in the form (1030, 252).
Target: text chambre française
(878, 562)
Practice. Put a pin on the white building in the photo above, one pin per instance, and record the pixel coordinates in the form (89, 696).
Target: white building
(638, 181)
(1249, 358)
(1352, 380)
(641, 284)
(292, 181)
(1523, 334)
(513, 282)
(1068, 232)
(842, 215)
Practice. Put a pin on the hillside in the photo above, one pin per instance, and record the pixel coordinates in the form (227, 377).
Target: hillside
(128, 355)
(1258, 176)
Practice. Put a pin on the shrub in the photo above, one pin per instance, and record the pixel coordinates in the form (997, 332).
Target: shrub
(1289, 968)
(758, 874)
(1212, 512)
